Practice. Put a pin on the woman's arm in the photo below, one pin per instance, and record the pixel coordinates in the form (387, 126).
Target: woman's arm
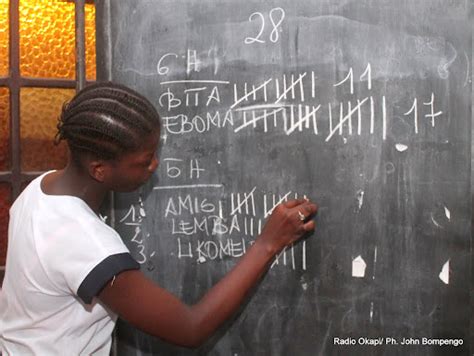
(154, 310)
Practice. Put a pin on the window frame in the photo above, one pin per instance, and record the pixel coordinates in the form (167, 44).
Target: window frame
(14, 176)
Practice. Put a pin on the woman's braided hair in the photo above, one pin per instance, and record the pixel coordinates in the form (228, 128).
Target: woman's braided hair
(105, 120)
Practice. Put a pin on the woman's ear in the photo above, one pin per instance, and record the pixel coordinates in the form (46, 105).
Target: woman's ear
(98, 170)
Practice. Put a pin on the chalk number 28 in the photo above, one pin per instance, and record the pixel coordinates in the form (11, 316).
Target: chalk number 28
(276, 18)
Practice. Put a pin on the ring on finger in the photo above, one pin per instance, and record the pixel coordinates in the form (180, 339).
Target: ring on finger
(301, 216)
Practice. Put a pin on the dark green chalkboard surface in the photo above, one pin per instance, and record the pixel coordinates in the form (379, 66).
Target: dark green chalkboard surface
(364, 107)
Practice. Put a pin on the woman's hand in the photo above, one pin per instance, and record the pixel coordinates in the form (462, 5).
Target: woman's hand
(288, 222)
(157, 312)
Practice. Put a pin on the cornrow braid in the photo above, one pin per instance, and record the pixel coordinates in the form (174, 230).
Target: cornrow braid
(106, 120)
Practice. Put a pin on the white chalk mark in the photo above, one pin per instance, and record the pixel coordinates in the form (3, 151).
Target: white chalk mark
(371, 311)
(261, 107)
(252, 92)
(359, 119)
(131, 212)
(432, 115)
(343, 120)
(195, 81)
(349, 106)
(164, 136)
(375, 262)
(248, 198)
(368, 74)
(330, 117)
(254, 120)
(467, 80)
(217, 60)
(192, 62)
(358, 267)
(201, 259)
(188, 186)
(265, 124)
(447, 213)
(254, 116)
(301, 91)
(372, 114)
(190, 90)
(341, 116)
(220, 210)
(401, 147)
(302, 120)
(384, 118)
(444, 274)
(360, 198)
(351, 81)
(304, 286)
(275, 203)
(434, 221)
(414, 109)
(291, 87)
(292, 116)
(304, 255)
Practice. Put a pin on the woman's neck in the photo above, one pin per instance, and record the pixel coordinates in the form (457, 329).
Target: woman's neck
(73, 181)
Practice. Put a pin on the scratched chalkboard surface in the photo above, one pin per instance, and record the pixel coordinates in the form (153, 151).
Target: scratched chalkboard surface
(364, 107)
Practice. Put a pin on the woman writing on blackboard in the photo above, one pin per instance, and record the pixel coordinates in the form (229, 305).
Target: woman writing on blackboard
(68, 274)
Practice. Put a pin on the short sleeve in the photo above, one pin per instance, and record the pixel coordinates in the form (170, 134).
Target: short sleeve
(78, 252)
(102, 273)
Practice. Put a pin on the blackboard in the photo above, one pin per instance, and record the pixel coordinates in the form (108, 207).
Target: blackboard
(362, 106)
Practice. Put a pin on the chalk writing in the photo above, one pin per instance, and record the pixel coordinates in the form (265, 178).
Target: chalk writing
(183, 124)
(176, 166)
(206, 228)
(191, 59)
(276, 16)
(209, 228)
(367, 74)
(286, 104)
(431, 115)
(135, 216)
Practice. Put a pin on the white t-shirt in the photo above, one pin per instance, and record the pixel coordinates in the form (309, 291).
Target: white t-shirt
(60, 255)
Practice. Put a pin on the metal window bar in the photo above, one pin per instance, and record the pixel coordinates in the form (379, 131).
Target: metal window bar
(80, 27)
(14, 86)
